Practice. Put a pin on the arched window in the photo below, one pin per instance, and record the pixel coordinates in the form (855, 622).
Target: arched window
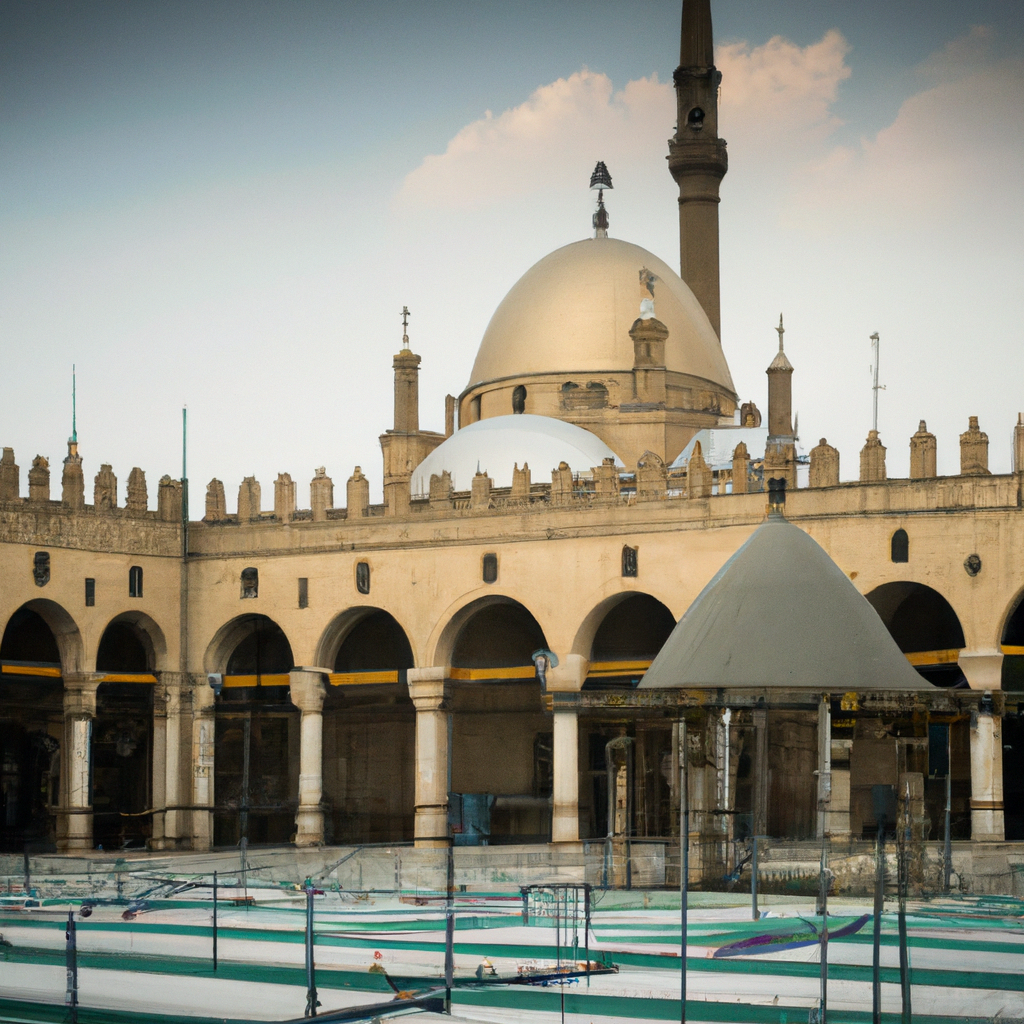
(250, 582)
(490, 568)
(899, 547)
(363, 577)
(630, 564)
(135, 581)
(519, 399)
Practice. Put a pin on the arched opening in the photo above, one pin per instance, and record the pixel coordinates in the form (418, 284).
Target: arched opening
(31, 731)
(519, 399)
(122, 764)
(627, 639)
(256, 780)
(1013, 725)
(899, 546)
(125, 648)
(925, 627)
(501, 736)
(369, 732)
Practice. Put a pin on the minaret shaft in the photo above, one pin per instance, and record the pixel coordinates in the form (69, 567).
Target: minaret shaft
(697, 158)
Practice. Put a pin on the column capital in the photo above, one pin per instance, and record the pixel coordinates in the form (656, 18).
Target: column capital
(569, 675)
(80, 693)
(983, 668)
(428, 687)
(307, 689)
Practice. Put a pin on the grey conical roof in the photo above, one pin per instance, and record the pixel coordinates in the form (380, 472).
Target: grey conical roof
(781, 613)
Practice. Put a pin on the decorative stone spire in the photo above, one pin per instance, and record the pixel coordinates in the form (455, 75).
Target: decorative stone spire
(137, 501)
(73, 479)
(105, 490)
(824, 471)
(1018, 444)
(9, 477)
(358, 494)
(216, 502)
(780, 393)
(407, 371)
(697, 157)
(872, 459)
(923, 448)
(974, 450)
(600, 180)
(321, 494)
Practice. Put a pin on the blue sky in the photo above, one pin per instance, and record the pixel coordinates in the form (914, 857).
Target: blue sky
(227, 205)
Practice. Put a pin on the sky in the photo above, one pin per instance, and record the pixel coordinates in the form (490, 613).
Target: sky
(226, 205)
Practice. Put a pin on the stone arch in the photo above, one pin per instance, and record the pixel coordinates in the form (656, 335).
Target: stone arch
(1011, 639)
(63, 629)
(924, 625)
(513, 628)
(613, 594)
(361, 624)
(249, 630)
(131, 642)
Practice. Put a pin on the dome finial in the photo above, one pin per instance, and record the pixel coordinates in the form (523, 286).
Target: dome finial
(600, 180)
(781, 331)
(405, 327)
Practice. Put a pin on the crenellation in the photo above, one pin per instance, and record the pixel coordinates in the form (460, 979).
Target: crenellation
(521, 482)
(923, 454)
(104, 490)
(824, 468)
(39, 480)
(321, 494)
(973, 450)
(249, 503)
(480, 496)
(10, 477)
(216, 502)
(561, 489)
(741, 465)
(358, 494)
(284, 498)
(651, 478)
(440, 491)
(872, 459)
(73, 480)
(137, 501)
(698, 475)
(169, 500)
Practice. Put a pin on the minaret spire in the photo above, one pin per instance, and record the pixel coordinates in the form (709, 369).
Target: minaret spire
(73, 439)
(697, 157)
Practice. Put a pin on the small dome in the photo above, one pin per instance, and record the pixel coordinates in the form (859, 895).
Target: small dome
(499, 443)
(572, 311)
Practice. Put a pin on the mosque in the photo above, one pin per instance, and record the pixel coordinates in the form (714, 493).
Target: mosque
(471, 656)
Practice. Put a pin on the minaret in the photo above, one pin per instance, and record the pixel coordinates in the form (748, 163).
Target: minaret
(407, 390)
(697, 158)
(780, 393)
(73, 479)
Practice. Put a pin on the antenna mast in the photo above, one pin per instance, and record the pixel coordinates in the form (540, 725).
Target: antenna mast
(875, 386)
(74, 406)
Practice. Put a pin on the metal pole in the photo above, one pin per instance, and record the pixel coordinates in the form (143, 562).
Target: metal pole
(947, 869)
(684, 865)
(311, 995)
(586, 926)
(449, 927)
(874, 385)
(876, 982)
(904, 871)
(823, 897)
(71, 959)
(215, 920)
(755, 914)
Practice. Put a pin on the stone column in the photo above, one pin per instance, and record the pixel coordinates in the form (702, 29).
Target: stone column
(760, 794)
(306, 686)
(167, 829)
(428, 688)
(79, 712)
(986, 775)
(203, 735)
(824, 764)
(567, 677)
(837, 820)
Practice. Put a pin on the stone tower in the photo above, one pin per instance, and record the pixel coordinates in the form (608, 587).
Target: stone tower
(697, 158)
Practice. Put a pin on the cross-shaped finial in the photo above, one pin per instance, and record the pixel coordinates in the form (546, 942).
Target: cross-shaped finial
(405, 327)
(781, 331)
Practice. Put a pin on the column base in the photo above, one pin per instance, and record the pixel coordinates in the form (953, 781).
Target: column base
(432, 826)
(309, 826)
(74, 830)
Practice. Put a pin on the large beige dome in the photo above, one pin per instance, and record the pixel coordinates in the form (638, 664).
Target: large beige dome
(572, 312)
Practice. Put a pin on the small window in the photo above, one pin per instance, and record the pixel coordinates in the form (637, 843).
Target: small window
(41, 568)
(630, 562)
(899, 547)
(90, 592)
(135, 581)
(303, 592)
(363, 577)
(490, 568)
(250, 583)
(519, 399)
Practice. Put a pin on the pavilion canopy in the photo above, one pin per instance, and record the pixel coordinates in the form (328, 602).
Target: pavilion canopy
(781, 613)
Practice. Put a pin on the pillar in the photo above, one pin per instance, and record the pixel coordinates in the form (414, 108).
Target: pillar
(167, 829)
(837, 819)
(986, 775)
(824, 764)
(760, 771)
(306, 686)
(203, 734)
(567, 677)
(428, 688)
(79, 712)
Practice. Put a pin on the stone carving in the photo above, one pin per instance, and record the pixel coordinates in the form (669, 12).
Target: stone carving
(321, 494)
(974, 450)
(39, 480)
(824, 470)
(104, 494)
(41, 568)
(972, 564)
(249, 500)
(137, 501)
(698, 474)
(750, 415)
(922, 454)
(9, 477)
(284, 498)
(872, 460)
(651, 477)
(216, 502)
(740, 468)
(358, 494)
(250, 580)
